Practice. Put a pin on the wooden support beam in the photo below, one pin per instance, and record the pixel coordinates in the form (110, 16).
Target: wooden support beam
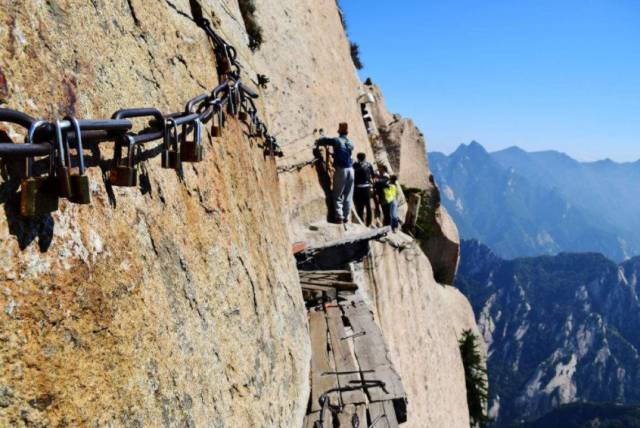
(337, 285)
(336, 254)
(339, 275)
(331, 292)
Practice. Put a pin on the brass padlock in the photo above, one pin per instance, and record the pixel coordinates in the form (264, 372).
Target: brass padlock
(63, 171)
(123, 172)
(38, 195)
(80, 193)
(192, 150)
(171, 148)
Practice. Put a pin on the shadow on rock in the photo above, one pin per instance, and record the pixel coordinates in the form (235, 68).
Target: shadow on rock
(324, 179)
(25, 229)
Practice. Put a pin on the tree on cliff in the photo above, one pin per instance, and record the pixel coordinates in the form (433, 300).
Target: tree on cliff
(475, 375)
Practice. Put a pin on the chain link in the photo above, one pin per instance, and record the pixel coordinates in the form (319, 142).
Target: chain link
(231, 94)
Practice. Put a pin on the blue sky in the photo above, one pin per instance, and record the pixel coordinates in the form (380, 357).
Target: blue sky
(540, 74)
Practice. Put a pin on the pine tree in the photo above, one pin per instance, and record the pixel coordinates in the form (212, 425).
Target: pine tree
(475, 375)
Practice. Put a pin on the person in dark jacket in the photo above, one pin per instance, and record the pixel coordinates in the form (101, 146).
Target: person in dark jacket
(343, 174)
(363, 177)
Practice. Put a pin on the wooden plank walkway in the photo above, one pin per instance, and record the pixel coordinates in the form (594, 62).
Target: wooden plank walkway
(339, 253)
(322, 364)
(350, 361)
(372, 352)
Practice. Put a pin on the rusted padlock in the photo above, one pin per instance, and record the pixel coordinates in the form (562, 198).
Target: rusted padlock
(160, 122)
(80, 193)
(216, 127)
(170, 146)
(242, 115)
(63, 171)
(191, 150)
(224, 64)
(123, 172)
(38, 195)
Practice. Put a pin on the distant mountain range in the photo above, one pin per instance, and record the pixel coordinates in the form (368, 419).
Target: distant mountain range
(559, 329)
(526, 204)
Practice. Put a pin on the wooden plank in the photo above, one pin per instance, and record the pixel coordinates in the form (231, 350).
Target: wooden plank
(377, 416)
(340, 275)
(382, 415)
(361, 413)
(311, 418)
(338, 285)
(390, 412)
(351, 415)
(372, 353)
(317, 287)
(351, 238)
(392, 380)
(344, 358)
(321, 361)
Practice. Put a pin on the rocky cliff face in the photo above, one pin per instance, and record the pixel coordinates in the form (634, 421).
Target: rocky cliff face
(422, 321)
(559, 329)
(177, 303)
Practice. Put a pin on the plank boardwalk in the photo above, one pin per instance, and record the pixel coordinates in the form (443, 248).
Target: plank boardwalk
(322, 365)
(350, 362)
(344, 358)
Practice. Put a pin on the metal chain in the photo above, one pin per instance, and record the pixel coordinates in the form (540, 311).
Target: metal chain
(232, 94)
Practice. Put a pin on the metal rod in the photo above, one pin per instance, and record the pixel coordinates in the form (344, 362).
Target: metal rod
(24, 150)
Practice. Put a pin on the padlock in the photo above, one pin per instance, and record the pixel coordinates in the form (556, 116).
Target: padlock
(216, 129)
(192, 150)
(123, 172)
(224, 65)
(171, 148)
(80, 193)
(63, 171)
(233, 98)
(242, 114)
(126, 176)
(38, 195)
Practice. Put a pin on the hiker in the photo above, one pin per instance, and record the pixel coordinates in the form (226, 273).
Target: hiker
(364, 175)
(382, 178)
(386, 195)
(343, 174)
(391, 197)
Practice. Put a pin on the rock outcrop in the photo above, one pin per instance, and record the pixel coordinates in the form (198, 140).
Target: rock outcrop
(398, 143)
(177, 303)
(402, 142)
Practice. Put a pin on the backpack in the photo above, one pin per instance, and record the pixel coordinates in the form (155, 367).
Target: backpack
(362, 173)
(389, 193)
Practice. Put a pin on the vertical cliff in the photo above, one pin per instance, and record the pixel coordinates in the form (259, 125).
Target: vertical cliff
(177, 303)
